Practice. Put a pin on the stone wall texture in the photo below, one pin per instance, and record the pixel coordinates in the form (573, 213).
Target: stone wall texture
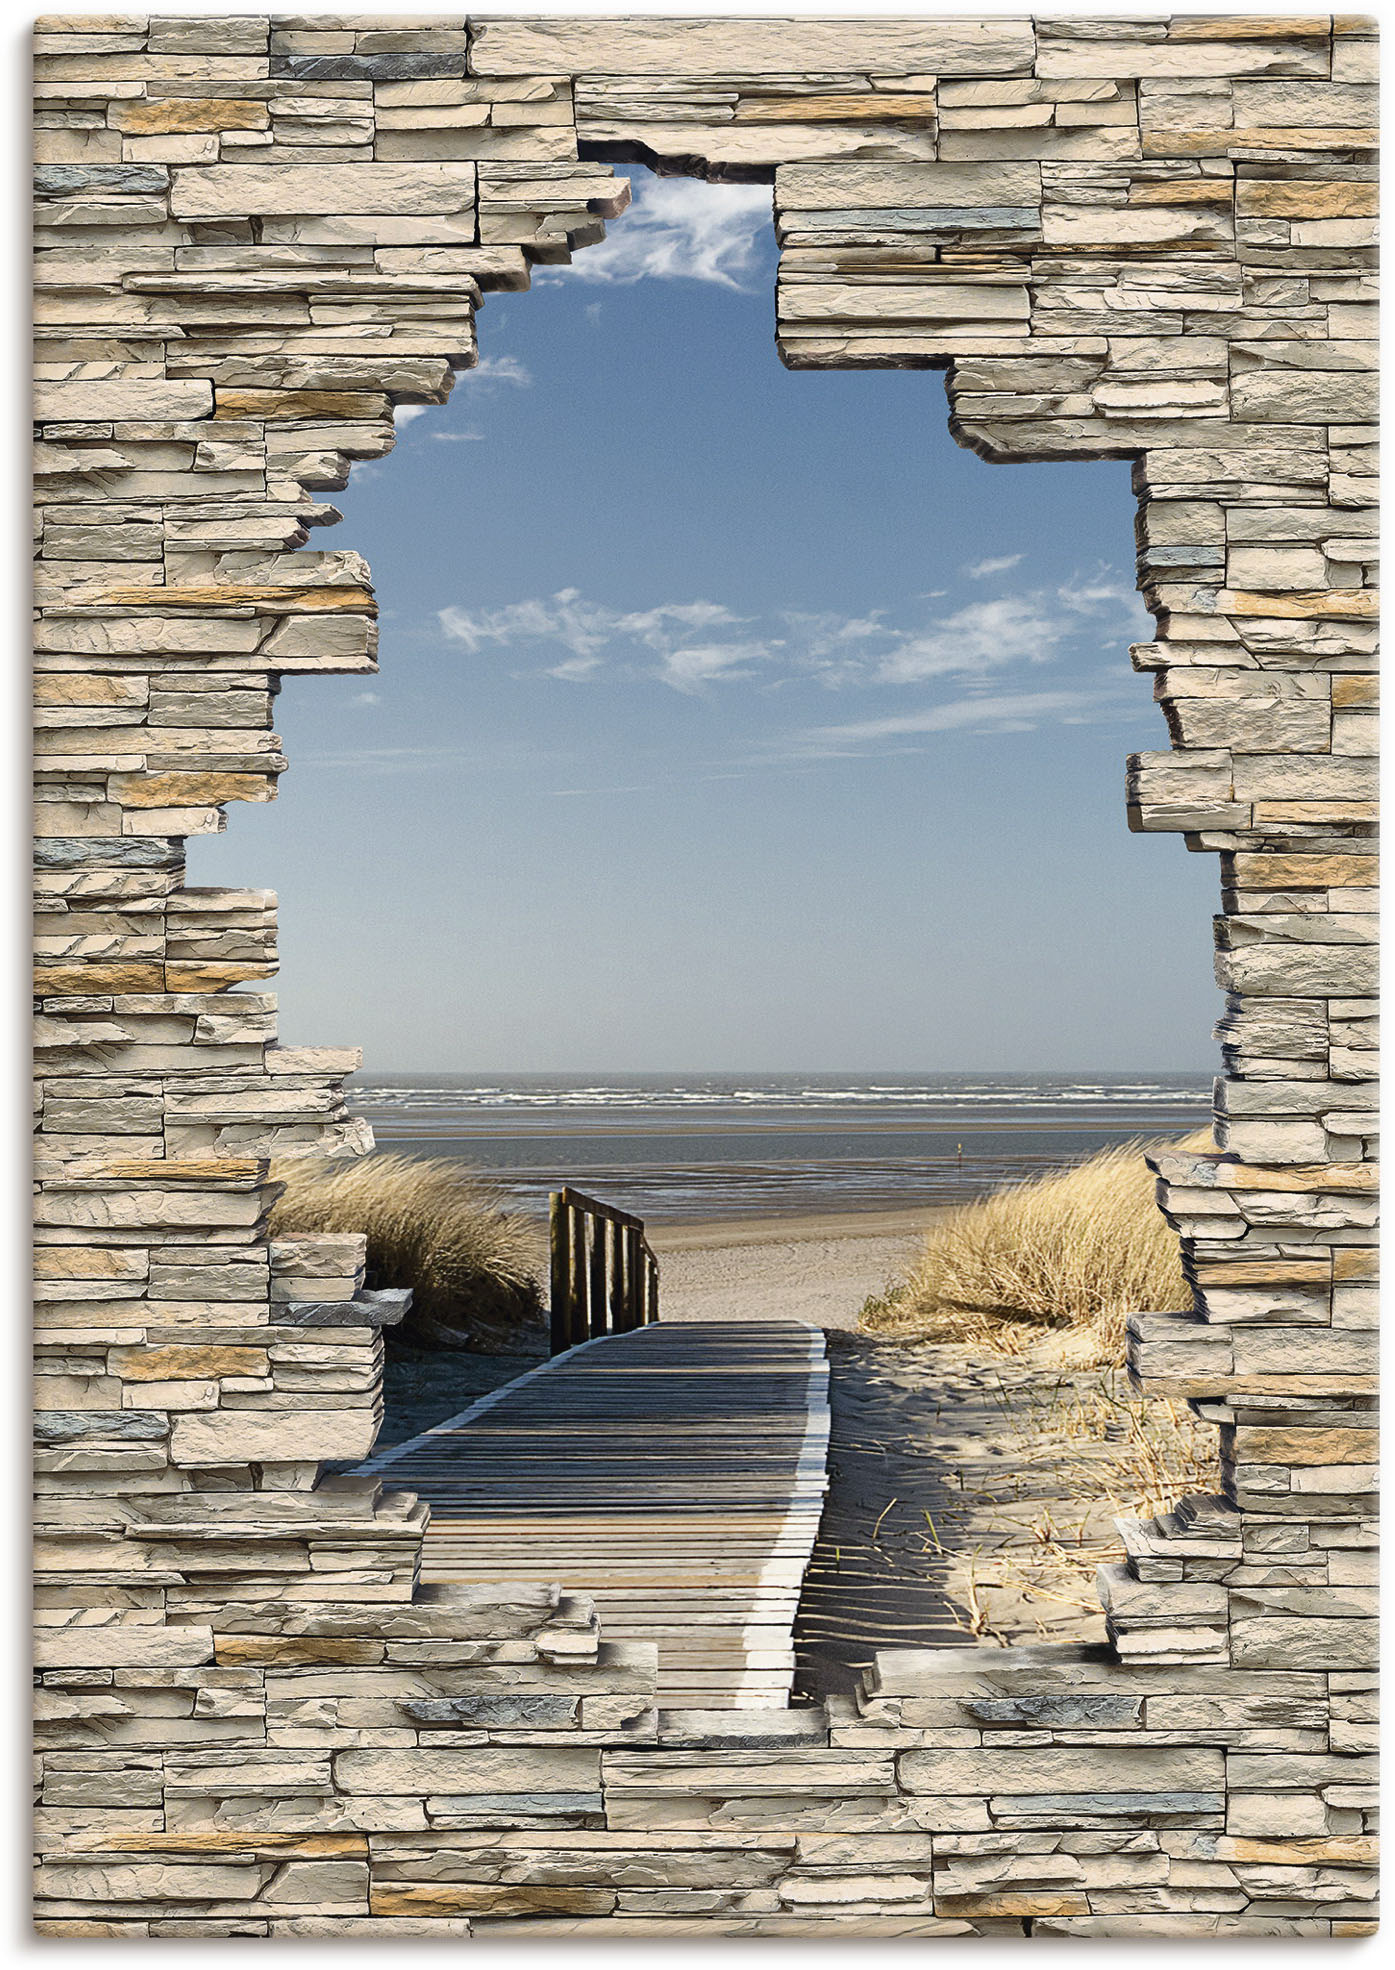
(1144, 238)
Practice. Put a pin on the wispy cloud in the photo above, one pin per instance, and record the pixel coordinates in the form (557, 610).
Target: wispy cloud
(1026, 628)
(1010, 711)
(497, 369)
(687, 665)
(672, 641)
(682, 229)
(996, 564)
(981, 637)
(499, 756)
(408, 413)
(458, 437)
(365, 698)
(691, 645)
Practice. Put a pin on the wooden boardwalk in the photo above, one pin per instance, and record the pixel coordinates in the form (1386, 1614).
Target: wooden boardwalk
(675, 1474)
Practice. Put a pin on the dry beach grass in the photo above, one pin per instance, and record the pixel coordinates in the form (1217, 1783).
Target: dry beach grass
(434, 1225)
(1073, 1252)
(1030, 1288)
(1070, 1453)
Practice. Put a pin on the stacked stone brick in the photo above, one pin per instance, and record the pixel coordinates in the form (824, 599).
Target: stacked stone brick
(1144, 238)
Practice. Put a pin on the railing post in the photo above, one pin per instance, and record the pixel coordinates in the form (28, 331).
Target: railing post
(624, 1273)
(596, 1307)
(559, 1224)
(580, 1277)
(634, 1277)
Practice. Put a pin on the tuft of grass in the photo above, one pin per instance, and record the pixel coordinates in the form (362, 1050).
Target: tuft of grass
(1081, 1451)
(436, 1226)
(1075, 1251)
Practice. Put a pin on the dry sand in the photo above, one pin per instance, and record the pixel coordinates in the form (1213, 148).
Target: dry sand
(818, 1269)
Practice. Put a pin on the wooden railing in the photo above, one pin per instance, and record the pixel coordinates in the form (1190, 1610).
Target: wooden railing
(605, 1277)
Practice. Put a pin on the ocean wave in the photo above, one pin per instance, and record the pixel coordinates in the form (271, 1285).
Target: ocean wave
(787, 1094)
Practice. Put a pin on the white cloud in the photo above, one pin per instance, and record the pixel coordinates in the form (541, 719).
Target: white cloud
(980, 637)
(996, 564)
(498, 369)
(458, 437)
(1100, 594)
(408, 413)
(691, 644)
(1012, 711)
(589, 628)
(365, 698)
(688, 665)
(682, 229)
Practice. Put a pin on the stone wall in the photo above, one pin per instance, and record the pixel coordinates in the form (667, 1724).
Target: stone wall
(1143, 238)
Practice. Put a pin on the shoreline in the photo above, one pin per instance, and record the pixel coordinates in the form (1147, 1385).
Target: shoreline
(732, 1234)
(586, 1125)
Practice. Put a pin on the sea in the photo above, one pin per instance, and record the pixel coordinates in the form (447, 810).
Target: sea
(709, 1148)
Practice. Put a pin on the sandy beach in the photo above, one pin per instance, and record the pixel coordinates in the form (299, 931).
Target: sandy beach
(818, 1269)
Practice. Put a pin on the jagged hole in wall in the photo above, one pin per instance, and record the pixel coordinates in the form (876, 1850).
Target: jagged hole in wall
(801, 747)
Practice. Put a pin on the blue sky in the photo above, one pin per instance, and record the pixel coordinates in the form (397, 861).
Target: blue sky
(728, 717)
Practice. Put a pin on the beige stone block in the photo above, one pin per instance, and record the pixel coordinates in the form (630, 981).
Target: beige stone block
(1182, 59)
(754, 142)
(1086, 228)
(697, 47)
(373, 229)
(1175, 140)
(98, 399)
(811, 187)
(487, 1898)
(1299, 1446)
(182, 116)
(149, 1882)
(87, 1262)
(180, 789)
(160, 1364)
(241, 1436)
(1275, 567)
(236, 190)
(1288, 198)
(1064, 1769)
(931, 303)
(527, 1769)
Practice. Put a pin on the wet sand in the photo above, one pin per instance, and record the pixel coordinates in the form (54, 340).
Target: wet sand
(818, 1269)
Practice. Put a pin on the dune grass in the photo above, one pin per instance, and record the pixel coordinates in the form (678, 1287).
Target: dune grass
(1030, 1287)
(1070, 1255)
(1075, 1451)
(436, 1226)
